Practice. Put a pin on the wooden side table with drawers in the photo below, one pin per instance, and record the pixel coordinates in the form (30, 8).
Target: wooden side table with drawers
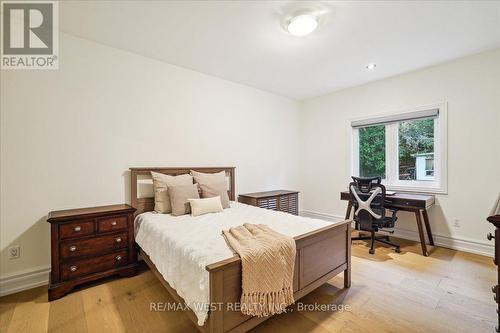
(90, 243)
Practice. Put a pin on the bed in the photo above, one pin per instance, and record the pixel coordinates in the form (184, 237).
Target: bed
(194, 248)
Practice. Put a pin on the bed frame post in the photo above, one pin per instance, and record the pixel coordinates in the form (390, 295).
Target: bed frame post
(347, 272)
(216, 280)
(133, 188)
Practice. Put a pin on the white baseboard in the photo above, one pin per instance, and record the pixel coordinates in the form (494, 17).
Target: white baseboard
(465, 245)
(23, 281)
(321, 216)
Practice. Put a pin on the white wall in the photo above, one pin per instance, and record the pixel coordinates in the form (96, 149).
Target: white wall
(471, 86)
(68, 136)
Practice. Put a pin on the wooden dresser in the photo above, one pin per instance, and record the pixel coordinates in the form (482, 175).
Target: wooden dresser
(282, 200)
(495, 220)
(89, 244)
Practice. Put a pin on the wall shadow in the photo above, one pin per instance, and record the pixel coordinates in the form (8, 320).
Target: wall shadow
(35, 248)
(127, 186)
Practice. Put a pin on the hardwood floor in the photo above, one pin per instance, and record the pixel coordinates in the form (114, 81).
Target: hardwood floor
(446, 292)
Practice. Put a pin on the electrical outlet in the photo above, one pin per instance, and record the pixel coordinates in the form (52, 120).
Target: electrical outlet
(456, 223)
(14, 252)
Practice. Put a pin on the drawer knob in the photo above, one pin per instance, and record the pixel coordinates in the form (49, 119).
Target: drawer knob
(490, 236)
(113, 223)
(118, 258)
(77, 229)
(72, 248)
(73, 268)
(118, 239)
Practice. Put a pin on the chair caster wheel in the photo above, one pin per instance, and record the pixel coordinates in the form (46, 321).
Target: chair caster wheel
(371, 251)
(397, 250)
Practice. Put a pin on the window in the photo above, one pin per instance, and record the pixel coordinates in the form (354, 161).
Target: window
(416, 149)
(408, 150)
(372, 151)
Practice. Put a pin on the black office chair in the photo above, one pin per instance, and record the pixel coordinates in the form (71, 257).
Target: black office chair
(368, 199)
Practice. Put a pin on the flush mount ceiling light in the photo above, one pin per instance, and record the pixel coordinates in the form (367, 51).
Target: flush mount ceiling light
(302, 25)
(300, 18)
(371, 66)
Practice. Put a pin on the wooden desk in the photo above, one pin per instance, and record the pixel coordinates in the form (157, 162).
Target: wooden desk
(415, 203)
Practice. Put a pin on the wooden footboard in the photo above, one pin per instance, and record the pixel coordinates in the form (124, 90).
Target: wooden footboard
(321, 255)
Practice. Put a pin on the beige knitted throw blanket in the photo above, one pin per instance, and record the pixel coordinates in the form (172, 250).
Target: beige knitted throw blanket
(267, 259)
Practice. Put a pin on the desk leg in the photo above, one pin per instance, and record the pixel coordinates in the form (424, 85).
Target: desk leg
(348, 215)
(427, 226)
(421, 232)
(348, 212)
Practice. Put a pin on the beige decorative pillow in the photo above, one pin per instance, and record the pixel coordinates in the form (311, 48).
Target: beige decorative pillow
(205, 206)
(179, 196)
(161, 182)
(212, 185)
(216, 190)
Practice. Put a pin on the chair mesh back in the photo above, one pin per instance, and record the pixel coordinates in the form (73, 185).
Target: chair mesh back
(376, 208)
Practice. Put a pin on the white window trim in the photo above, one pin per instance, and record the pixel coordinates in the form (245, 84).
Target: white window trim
(440, 147)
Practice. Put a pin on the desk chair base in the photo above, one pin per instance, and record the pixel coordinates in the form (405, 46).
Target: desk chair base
(381, 239)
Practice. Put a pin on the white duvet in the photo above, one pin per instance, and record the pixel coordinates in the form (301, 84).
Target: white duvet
(181, 247)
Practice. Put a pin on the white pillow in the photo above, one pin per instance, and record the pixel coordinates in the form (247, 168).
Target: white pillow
(204, 206)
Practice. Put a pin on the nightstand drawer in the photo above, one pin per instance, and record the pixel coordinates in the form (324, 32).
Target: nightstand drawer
(76, 229)
(82, 267)
(113, 223)
(93, 246)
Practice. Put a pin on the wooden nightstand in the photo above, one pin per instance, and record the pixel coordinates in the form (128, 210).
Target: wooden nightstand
(282, 200)
(89, 244)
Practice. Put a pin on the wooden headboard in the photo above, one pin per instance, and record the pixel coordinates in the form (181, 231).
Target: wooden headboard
(143, 199)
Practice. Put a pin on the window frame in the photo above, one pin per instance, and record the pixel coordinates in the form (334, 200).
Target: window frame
(392, 181)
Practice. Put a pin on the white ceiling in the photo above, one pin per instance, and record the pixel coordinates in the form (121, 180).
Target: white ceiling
(243, 41)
